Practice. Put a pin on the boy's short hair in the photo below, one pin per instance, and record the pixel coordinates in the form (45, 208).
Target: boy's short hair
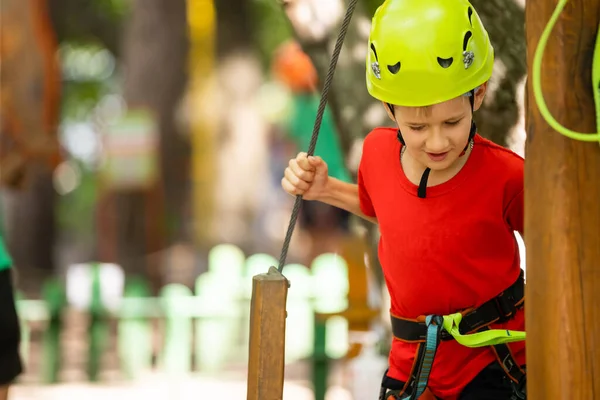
(426, 110)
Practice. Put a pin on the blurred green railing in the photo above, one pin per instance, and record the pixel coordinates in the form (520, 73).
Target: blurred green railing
(201, 330)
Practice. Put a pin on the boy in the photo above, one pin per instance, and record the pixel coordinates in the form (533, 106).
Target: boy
(10, 361)
(446, 200)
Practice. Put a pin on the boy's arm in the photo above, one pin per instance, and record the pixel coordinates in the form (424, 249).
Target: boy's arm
(513, 194)
(344, 195)
(514, 213)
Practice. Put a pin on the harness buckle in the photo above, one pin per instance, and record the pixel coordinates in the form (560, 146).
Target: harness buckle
(445, 336)
(505, 303)
(520, 389)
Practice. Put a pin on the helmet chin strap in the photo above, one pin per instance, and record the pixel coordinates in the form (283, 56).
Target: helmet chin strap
(422, 190)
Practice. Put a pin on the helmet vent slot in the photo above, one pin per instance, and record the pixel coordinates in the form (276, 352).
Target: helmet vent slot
(394, 68)
(374, 51)
(445, 62)
(466, 40)
(470, 14)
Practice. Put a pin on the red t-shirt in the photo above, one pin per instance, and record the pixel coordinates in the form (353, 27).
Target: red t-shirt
(452, 250)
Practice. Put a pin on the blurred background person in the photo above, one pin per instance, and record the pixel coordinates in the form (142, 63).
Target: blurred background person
(325, 225)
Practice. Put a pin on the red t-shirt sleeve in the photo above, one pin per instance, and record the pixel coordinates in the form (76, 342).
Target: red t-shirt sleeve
(513, 198)
(366, 205)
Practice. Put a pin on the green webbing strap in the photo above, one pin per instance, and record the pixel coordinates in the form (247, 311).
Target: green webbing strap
(489, 337)
(537, 85)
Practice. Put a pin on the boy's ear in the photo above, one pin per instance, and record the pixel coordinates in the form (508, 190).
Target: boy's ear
(388, 111)
(479, 96)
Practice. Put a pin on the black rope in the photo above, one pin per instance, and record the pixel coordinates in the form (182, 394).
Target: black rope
(318, 120)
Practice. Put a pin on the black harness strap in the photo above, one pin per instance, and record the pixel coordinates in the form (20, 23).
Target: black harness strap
(497, 310)
(506, 360)
(410, 386)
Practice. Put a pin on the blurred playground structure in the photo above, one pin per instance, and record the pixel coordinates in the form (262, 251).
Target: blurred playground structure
(100, 326)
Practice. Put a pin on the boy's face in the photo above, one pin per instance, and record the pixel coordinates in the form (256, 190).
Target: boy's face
(436, 135)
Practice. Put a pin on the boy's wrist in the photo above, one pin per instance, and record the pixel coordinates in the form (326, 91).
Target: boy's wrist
(328, 190)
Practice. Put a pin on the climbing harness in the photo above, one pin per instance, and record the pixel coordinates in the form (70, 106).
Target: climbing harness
(315, 134)
(537, 84)
(470, 328)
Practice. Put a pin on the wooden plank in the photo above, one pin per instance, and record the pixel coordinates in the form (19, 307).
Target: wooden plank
(267, 336)
(562, 210)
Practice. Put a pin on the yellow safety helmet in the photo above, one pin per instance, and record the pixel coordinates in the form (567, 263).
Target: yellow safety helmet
(424, 52)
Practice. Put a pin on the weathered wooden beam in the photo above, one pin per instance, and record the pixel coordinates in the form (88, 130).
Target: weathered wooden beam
(267, 336)
(562, 210)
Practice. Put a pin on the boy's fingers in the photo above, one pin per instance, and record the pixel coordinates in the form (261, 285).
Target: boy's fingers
(295, 180)
(303, 162)
(315, 161)
(306, 174)
(289, 188)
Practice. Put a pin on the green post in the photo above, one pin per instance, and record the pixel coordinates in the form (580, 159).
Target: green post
(330, 291)
(177, 349)
(217, 299)
(214, 326)
(320, 359)
(135, 329)
(299, 340)
(98, 328)
(54, 295)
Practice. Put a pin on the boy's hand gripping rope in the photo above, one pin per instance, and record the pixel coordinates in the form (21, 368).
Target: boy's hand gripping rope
(319, 118)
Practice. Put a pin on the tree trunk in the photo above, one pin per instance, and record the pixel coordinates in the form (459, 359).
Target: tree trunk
(562, 187)
(156, 33)
(31, 228)
(30, 89)
(505, 23)
(77, 20)
(234, 27)
(154, 60)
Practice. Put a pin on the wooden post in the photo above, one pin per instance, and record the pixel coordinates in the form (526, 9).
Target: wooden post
(267, 336)
(562, 210)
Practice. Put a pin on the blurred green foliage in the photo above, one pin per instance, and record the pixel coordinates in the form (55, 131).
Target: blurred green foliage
(271, 28)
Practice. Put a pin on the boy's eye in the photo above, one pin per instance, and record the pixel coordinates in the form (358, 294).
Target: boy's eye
(417, 127)
(452, 123)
